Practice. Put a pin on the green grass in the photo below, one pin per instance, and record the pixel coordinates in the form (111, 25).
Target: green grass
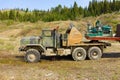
(6, 46)
(2, 42)
(25, 31)
(9, 46)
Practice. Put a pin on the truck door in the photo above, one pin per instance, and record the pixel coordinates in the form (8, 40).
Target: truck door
(47, 38)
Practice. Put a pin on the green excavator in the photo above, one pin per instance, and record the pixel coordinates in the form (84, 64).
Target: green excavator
(99, 30)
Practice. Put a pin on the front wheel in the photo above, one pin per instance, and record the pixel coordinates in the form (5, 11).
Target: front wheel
(94, 53)
(79, 54)
(32, 55)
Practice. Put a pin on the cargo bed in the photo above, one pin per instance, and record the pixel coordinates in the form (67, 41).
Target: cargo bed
(103, 38)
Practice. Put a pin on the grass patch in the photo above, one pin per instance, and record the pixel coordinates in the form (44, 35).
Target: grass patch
(12, 38)
(1, 41)
(114, 22)
(3, 28)
(7, 47)
(25, 31)
(9, 22)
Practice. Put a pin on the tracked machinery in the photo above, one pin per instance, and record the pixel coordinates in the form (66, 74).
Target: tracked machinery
(52, 43)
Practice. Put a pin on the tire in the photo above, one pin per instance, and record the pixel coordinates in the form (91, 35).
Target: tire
(79, 54)
(32, 55)
(94, 53)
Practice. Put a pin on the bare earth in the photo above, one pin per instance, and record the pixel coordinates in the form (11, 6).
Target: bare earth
(13, 67)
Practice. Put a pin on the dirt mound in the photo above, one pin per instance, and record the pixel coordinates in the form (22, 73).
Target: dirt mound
(10, 33)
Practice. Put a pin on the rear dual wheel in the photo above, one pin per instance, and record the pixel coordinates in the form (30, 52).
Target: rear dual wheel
(79, 54)
(94, 53)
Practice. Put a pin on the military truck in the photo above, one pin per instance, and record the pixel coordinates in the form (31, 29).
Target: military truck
(52, 43)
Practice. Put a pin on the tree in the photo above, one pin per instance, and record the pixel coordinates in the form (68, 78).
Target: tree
(75, 10)
(86, 12)
(91, 9)
(12, 15)
(81, 10)
(94, 8)
(106, 7)
(0, 15)
(26, 10)
(5, 15)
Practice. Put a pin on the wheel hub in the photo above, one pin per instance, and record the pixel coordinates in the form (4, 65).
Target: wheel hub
(79, 54)
(95, 54)
(31, 57)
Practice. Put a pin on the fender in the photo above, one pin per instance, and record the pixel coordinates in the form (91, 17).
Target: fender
(28, 46)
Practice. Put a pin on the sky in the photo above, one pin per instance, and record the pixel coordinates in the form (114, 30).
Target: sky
(39, 4)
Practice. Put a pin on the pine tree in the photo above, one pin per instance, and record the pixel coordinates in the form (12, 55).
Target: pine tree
(26, 10)
(0, 15)
(75, 10)
(12, 15)
(81, 10)
(91, 9)
(5, 15)
(106, 7)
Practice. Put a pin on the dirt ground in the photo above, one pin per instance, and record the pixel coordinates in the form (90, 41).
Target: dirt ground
(13, 67)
